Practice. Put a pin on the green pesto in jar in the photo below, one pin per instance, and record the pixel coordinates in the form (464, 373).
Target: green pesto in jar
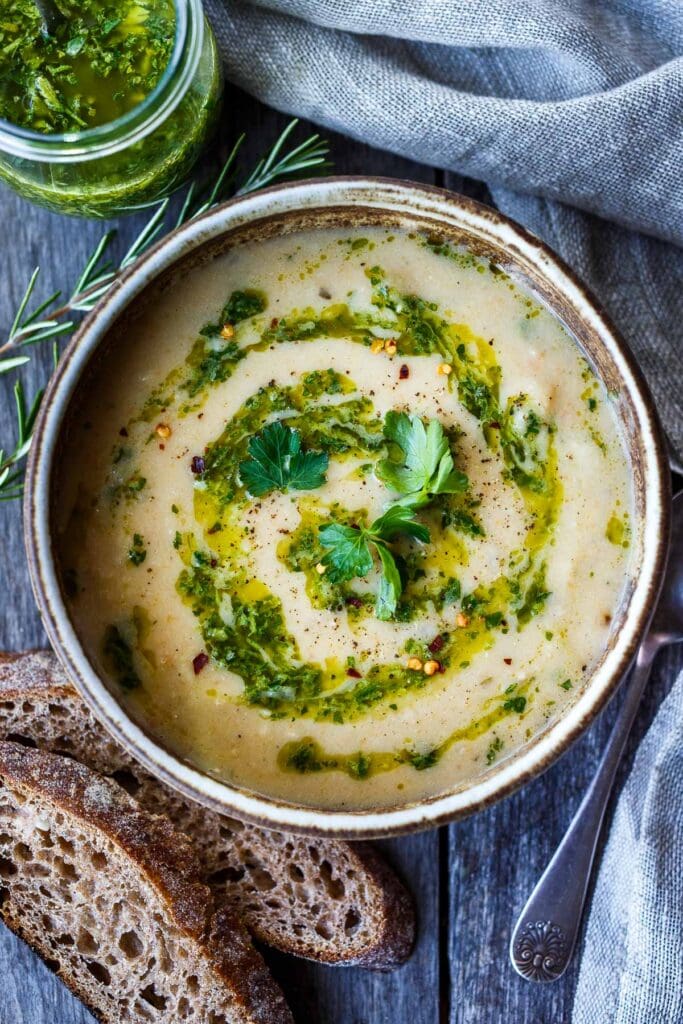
(102, 61)
(92, 94)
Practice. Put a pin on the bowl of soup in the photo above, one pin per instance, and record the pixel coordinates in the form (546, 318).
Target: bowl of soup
(348, 507)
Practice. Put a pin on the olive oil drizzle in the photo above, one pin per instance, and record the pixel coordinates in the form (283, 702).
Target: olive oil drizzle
(307, 756)
(242, 622)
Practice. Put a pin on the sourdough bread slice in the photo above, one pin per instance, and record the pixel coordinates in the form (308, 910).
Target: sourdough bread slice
(110, 897)
(330, 901)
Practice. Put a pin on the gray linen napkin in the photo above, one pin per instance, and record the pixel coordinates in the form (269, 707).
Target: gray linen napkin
(572, 112)
(560, 106)
(631, 965)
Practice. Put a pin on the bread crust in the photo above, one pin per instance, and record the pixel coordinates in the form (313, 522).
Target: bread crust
(165, 859)
(37, 677)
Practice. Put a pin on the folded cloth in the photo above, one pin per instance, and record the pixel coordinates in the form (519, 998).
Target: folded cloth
(560, 106)
(569, 99)
(572, 112)
(631, 966)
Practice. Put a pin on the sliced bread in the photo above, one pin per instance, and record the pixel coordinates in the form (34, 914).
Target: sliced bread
(325, 900)
(110, 897)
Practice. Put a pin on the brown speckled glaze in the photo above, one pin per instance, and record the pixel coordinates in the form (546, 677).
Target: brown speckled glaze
(358, 203)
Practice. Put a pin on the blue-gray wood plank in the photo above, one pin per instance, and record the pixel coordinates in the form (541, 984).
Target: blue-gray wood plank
(469, 880)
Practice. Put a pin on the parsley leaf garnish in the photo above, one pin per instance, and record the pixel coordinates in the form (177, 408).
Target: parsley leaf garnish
(390, 585)
(350, 552)
(424, 466)
(278, 463)
(396, 520)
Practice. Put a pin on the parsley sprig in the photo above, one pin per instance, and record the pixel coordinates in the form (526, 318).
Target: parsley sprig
(420, 464)
(350, 552)
(419, 467)
(55, 316)
(277, 463)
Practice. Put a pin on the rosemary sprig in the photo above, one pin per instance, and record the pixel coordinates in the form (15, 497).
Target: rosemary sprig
(270, 168)
(11, 482)
(51, 321)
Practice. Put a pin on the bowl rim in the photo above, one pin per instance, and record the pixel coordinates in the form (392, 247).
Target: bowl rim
(403, 198)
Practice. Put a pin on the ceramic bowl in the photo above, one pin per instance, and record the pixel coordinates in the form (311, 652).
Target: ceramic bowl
(354, 203)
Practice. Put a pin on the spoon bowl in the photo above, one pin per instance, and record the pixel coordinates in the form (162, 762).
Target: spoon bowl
(545, 935)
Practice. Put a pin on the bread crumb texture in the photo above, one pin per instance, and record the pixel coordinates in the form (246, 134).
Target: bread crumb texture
(325, 900)
(109, 896)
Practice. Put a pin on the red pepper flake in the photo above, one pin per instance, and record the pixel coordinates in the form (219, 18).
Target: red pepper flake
(197, 464)
(436, 644)
(274, 322)
(123, 432)
(200, 662)
(354, 673)
(215, 528)
(404, 372)
(441, 668)
(495, 424)
(213, 563)
(355, 602)
(508, 661)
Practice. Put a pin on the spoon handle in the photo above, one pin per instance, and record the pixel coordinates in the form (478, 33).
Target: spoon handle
(545, 935)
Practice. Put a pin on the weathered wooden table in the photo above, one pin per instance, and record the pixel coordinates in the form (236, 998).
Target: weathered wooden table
(471, 879)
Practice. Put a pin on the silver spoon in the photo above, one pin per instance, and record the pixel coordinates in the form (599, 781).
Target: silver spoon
(544, 938)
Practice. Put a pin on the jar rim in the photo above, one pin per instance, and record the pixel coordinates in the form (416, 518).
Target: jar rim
(131, 127)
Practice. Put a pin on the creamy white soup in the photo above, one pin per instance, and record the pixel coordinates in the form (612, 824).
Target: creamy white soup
(349, 520)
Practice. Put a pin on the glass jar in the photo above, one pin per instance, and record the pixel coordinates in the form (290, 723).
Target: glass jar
(139, 158)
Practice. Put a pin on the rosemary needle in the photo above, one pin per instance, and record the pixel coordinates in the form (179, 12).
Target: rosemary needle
(51, 320)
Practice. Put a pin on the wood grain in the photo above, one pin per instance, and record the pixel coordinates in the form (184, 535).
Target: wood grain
(470, 880)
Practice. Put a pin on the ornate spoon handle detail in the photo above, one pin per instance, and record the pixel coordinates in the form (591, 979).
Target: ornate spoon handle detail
(539, 951)
(544, 938)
